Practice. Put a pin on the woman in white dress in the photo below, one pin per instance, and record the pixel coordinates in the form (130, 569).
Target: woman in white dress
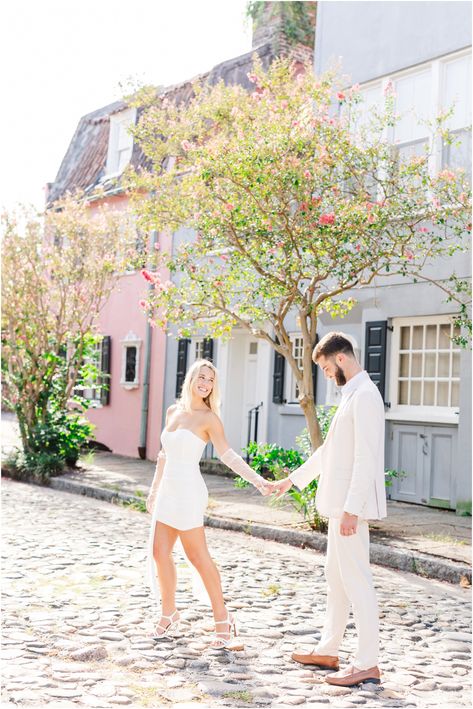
(178, 497)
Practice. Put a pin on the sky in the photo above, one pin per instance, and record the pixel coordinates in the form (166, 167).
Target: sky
(61, 59)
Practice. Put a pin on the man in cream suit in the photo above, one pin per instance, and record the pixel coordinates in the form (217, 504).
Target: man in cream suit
(351, 490)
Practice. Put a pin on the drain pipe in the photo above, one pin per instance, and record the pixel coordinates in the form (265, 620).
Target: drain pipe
(146, 375)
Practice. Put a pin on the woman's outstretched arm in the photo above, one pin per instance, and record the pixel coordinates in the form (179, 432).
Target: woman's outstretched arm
(234, 461)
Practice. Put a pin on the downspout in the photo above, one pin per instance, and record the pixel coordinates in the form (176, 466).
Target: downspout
(146, 374)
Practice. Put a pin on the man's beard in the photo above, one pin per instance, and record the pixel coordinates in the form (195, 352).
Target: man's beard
(339, 376)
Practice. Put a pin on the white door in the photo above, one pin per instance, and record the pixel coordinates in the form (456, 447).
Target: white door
(250, 391)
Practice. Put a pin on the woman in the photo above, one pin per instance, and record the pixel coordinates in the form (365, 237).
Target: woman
(178, 497)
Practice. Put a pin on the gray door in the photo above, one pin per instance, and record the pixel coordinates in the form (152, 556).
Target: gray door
(426, 454)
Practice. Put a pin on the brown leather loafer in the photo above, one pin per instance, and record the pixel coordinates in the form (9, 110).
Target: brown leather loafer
(325, 661)
(350, 676)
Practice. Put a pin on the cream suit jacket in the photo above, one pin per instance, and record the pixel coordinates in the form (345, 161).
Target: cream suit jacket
(350, 464)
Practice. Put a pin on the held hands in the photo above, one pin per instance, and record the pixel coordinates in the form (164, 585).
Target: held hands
(265, 487)
(280, 487)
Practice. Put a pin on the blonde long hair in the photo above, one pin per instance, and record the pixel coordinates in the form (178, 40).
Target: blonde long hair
(213, 400)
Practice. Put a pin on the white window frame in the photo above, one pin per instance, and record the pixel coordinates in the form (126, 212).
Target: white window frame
(437, 69)
(127, 117)
(290, 383)
(191, 352)
(406, 412)
(94, 394)
(131, 340)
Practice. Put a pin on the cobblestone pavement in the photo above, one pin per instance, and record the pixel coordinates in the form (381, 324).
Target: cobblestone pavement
(77, 620)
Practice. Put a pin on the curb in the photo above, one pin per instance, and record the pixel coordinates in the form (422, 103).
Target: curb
(424, 565)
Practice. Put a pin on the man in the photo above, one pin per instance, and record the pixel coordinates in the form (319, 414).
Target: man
(350, 471)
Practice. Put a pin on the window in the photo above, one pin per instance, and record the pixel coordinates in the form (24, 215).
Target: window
(120, 145)
(130, 361)
(419, 97)
(292, 390)
(97, 389)
(456, 92)
(426, 364)
(197, 350)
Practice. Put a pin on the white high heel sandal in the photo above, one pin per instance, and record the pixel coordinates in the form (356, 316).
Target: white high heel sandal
(173, 623)
(227, 642)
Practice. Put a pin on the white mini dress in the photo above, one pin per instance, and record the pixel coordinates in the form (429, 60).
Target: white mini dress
(182, 495)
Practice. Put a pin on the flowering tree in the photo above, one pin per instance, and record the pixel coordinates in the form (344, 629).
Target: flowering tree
(58, 270)
(294, 206)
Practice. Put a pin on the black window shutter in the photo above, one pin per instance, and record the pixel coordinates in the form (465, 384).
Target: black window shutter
(375, 352)
(105, 367)
(278, 378)
(182, 347)
(208, 349)
(314, 373)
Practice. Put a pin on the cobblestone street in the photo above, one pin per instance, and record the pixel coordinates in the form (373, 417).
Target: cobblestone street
(78, 617)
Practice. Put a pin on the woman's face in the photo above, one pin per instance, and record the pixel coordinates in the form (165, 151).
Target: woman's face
(204, 383)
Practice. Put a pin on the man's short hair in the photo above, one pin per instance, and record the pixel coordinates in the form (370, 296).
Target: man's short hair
(332, 343)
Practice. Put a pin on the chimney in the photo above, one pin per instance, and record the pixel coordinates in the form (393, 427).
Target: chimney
(289, 27)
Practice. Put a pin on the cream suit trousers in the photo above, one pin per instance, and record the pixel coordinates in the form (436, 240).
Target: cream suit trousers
(349, 582)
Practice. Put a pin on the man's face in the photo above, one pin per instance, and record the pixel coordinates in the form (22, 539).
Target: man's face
(332, 367)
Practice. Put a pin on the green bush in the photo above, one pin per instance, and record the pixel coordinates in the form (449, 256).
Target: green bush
(38, 467)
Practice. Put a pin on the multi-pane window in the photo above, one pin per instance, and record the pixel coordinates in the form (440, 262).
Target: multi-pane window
(198, 347)
(428, 365)
(120, 145)
(92, 389)
(456, 92)
(419, 96)
(292, 390)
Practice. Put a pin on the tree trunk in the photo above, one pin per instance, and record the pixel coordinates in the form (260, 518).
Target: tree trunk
(308, 407)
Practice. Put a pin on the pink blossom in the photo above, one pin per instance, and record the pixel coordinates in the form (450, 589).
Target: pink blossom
(295, 123)
(272, 251)
(303, 206)
(148, 276)
(219, 284)
(462, 197)
(284, 103)
(341, 96)
(157, 246)
(192, 269)
(357, 247)
(436, 203)
(447, 175)
(316, 199)
(423, 230)
(371, 218)
(389, 89)
(307, 174)
(224, 257)
(328, 218)
(252, 77)
(186, 145)
(355, 88)
(409, 255)
(280, 244)
(142, 303)
(229, 206)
